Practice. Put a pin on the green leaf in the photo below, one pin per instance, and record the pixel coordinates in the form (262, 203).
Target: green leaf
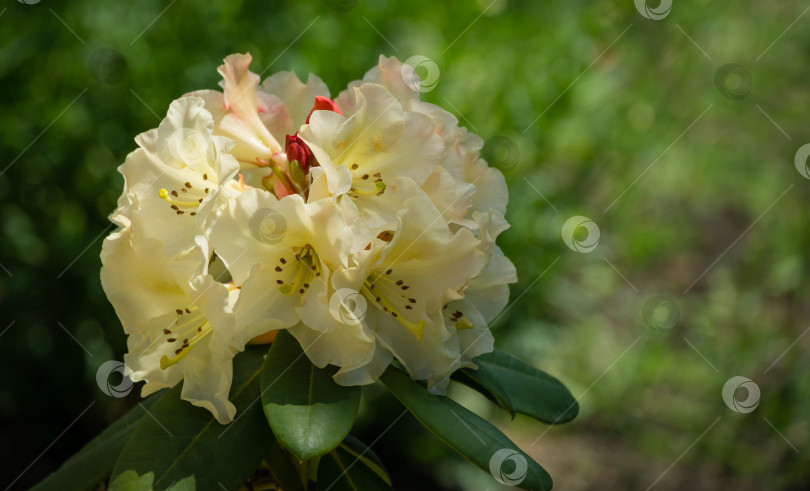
(465, 432)
(352, 466)
(519, 387)
(284, 470)
(181, 446)
(131, 481)
(308, 412)
(496, 394)
(93, 464)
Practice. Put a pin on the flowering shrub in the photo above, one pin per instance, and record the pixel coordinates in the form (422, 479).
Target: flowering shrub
(353, 234)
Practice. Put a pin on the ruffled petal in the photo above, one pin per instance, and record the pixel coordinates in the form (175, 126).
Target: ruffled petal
(297, 99)
(239, 109)
(391, 74)
(367, 371)
(256, 228)
(207, 377)
(173, 181)
(343, 345)
(141, 283)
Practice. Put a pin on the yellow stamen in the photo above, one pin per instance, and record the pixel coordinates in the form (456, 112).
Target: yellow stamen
(378, 187)
(194, 318)
(464, 323)
(302, 273)
(375, 190)
(416, 328)
(164, 195)
(166, 362)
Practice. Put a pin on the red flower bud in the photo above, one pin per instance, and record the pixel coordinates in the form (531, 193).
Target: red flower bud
(324, 104)
(296, 149)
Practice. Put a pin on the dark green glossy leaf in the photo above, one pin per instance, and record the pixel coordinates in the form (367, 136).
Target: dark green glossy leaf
(94, 463)
(308, 412)
(131, 481)
(496, 395)
(366, 456)
(352, 467)
(465, 432)
(283, 469)
(181, 446)
(523, 388)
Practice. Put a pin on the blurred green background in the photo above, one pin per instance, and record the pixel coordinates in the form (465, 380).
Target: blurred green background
(593, 110)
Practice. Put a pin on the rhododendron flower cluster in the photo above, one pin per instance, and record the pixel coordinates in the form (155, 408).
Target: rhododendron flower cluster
(365, 225)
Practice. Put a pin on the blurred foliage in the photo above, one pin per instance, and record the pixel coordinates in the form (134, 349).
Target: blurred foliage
(600, 103)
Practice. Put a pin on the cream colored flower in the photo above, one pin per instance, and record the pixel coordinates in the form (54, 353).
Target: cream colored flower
(467, 192)
(486, 294)
(238, 108)
(370, 235)
(179, 322)
(283, 253)
(180, 175)
(258, 118)
(297, 100)
(363, 154)
(478, 187)
(405, 278)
